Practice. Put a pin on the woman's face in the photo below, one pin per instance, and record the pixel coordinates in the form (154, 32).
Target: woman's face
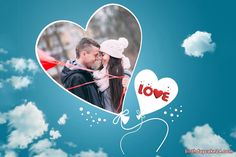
(105, 59)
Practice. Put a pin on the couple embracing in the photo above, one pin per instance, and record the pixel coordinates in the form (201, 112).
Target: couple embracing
(97, 86)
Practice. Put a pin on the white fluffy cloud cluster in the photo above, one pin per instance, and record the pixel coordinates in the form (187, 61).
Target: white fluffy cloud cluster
(204, 138)
(2, 118)
(19, 82)
(55, 134)
(27, 123)
(44, 148)
(62, 119)
(198, 43)
(2, 67)
(22, 64)
(91, 153)
(10, 153)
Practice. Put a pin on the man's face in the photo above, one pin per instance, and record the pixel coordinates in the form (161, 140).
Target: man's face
(91, 56)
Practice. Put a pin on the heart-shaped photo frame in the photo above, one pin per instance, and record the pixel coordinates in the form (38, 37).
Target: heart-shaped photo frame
(95, 63)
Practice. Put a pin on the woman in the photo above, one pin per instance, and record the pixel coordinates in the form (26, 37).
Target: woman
(113, 63)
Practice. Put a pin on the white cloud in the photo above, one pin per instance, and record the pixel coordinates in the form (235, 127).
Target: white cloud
(3, 51)
(52, 152)
(62, 119)
(2, 67)
(3, 118)
(27, 123)
(233, 133)
(55, 134)
(10, 153)
(91, 153)
(22, 64)
(71, 144)
(19, 82)
(198, 43)
(44, 149)
(41, 146)
(19, 64)
(32, 66)
(204, 138)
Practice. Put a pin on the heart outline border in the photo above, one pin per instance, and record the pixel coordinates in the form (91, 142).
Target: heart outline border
(85, 29)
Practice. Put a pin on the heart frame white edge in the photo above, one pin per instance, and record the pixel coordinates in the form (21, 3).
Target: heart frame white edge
(140, 47)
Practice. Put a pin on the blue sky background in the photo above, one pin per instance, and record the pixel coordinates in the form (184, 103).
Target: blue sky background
(206, 85)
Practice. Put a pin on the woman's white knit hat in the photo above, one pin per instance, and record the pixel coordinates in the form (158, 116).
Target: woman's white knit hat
(114, 48)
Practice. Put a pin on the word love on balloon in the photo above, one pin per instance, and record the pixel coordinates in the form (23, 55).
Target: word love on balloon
(148, 91)
(153, 94)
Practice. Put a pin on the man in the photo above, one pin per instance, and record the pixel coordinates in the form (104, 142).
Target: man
(87, 52)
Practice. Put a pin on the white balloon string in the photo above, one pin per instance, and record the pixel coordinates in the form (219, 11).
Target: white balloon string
(125, 112)
(121, 148)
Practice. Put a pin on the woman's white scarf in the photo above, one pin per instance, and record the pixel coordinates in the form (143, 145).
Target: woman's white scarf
(102, 79)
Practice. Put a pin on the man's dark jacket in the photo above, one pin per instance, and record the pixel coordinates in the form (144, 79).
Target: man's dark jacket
(71, 78)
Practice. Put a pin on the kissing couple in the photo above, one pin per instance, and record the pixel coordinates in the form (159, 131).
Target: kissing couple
(105, 86)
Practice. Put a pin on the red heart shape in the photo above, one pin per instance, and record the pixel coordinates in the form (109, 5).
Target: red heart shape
(157, 93)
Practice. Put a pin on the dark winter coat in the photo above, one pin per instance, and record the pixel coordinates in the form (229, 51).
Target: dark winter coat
(71, 78)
